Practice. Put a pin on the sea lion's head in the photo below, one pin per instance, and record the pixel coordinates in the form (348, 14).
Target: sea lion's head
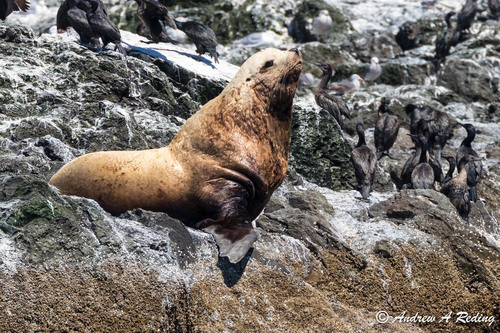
(270, 76)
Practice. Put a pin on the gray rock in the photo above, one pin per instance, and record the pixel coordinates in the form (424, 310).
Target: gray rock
(319, 151)
(470, 79)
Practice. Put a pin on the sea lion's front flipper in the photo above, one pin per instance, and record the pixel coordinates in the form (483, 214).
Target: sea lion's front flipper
(234, 242)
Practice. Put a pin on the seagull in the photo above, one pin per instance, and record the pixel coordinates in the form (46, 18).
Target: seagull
(322, 24)
(374, 70)
(346, 86)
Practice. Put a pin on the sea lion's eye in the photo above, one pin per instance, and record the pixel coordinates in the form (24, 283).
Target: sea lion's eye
(269, 63)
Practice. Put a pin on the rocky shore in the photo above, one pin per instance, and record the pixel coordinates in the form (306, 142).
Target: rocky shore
(325, 261)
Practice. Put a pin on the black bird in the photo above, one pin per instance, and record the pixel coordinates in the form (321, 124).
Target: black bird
(298, 31)
(9, 6)
(153, 14)
(465, 16)
(428, 122)
(334, 105)
(474, 170)
(408, 36)
(444, 42)
(73, 13)
(386, 130)
(451, 169)
(494, 6)
(103, 27)
(202, 36)
(457, 190)
(364, 161)
(434, 162)
(437, 131)
(416, 114)
(411, 163)
(422, 176)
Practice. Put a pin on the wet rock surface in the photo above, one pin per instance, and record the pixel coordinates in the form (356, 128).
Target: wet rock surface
(325, 260)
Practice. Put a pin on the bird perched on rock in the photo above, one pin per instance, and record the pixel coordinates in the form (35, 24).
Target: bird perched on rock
(411, 163)
(475, 169)
(416, 114)
(306, 79)
(444, 42)
(322, 24)
(9, 6)
(374, 70)
(202, 36)
(73, 13)
(422, 176)
(386, 130)
(102, 26)
(465, 17)
(297, 29)
(457, 190)
(364, 161)
(334, 105)
(260, 39)
(153, 14)
(437, 131)
(494, 6)
(449, 175)
(346, 86)
(408, 36)
(433, 161)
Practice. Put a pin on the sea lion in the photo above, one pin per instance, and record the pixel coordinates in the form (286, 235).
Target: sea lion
(219, 171)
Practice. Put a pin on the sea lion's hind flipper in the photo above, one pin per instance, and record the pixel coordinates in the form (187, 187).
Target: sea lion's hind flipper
(234, 242)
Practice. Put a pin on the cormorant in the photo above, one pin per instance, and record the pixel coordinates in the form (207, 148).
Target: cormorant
(332, 104)
(364, 161)
(153, 14)
(444, 42)
(202, 36)
(494, 6)
(465, 17)
(103, 27)
(451, 169)
(416, 114)
(408, 36)
(374, 70)
(474, 170)
(422, 176)
(346, 86)
(457, 190)
(298, 31)
(386, 130)
(434, 162)
(9, 6)
(427, 122)
(73, 13)
(411, 163)
(437, 122)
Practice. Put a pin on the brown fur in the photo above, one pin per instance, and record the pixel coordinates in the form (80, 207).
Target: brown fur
(219, 171)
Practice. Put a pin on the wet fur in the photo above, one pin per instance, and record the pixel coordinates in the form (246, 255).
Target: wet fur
(219, 171)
